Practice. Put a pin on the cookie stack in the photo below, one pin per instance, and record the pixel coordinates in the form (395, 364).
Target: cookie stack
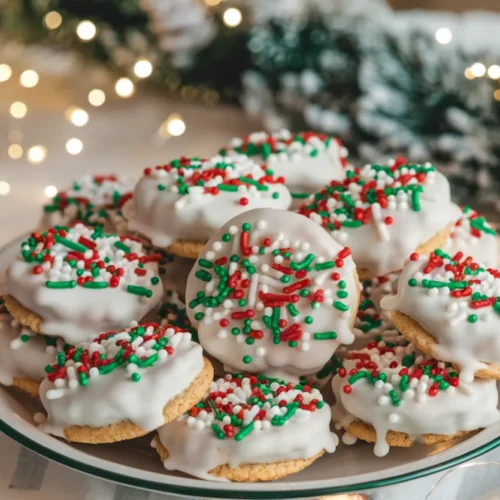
(215, 301)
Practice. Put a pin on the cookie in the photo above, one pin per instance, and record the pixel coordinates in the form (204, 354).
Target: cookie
(473, 235)
(307, 160)
(384, 213)
(179, 205)
(249, 428)
(273, 293)
(448, 305)
(394, 395)
(95, 200)
(124, 384)
(73, 282)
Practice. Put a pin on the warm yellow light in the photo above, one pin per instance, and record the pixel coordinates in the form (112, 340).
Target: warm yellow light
(50, 191)
(18, 109)
(4, 188)
(29, 78)
(52, 20)
(143, 68)
(443, 35)
(15, 151)
(86, 31)
(5, 72)
(74, 146)
(496, 94)
(97, 97)
(212, 3)
(468, 74)
(124, 87)
(494, 71)
(232, 17)
(37, 154)
(478, 69)
(78, 117)
(173, 126)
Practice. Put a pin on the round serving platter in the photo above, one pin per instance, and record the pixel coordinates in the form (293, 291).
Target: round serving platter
(135, 463)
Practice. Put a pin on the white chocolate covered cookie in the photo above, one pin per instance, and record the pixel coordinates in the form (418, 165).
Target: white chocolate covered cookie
(306, 160)
(79, 281)
(189, 199)
(272, 293)
(396, 388)
(384, 213)
(247, 420)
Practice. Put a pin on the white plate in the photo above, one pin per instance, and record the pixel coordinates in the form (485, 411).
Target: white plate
(350, 468)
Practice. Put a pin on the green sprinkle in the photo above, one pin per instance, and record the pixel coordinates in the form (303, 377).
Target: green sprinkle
(205, 263)
(25, 338)
(60, 284)
(412, 282)
(155, 280)
(292, 310)
(139, 290)
(244, 432)
(226, 237)
(72, 245)
(325, 336)
(340, 306)
(308, 320)
(275, 195)
(95, 284)
(135, 377)
(247, 359)
(218, 431)
(121, 246)
(199, 316)
(472, 318)
(203, 275)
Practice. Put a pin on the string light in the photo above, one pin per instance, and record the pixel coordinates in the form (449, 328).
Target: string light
(443, 36)
(494, 71)
(212, 3)
(125, 88)
(18, 109)
(37, 154)
(4, 188)
(173, 126)
(74, 146)
(78, 117)
(86, 31)
(496, 94)
(15, 151)
(478, 69)
(143, 68)
(97, 97)
(5, 72)
(50, 191)
(52, 20)
(468, 74)
(232, 17)
(29, 78)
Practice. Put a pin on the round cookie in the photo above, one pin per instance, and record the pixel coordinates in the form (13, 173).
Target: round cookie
(395, 396)
(449, 307)
(307, 160)
(124, 384)
(249, 428)
(473, 235)
(73, 282)
(384, 213)
(273, 293)
(95, 200)
(178, 206)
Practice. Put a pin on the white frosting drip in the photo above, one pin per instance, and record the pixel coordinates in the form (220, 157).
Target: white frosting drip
(465, 408)
(114, 397)
(165, 216)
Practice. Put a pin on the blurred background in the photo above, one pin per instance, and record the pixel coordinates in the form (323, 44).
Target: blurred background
(100, 86)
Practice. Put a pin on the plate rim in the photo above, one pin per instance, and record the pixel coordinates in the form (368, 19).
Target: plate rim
(214, 493)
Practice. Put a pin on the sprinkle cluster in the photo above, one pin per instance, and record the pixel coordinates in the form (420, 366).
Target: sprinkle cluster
(200, 178)
(398, 372)
(237, 405)
(361, 198)
(256, 286)
(474, 224)
(173, 312)
(86, 257)
(476, 290)
(91, 198)
(133, 349)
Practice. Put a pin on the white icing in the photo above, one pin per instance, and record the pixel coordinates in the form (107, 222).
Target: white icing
(381, 248)
(166, 215)
(194, 448)
(78, 313)
(469, 344)
(452, 410)
(113, 397)
(481, 246)
(284, 230)
(306, 167)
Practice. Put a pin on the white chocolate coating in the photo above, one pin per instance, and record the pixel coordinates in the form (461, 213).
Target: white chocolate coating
(309, 330)
(466, 335)
(306, 164)
(451, 410)
(77, 313)
(195, 449)
(164, 215)
(114, 397)
(379, 246)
